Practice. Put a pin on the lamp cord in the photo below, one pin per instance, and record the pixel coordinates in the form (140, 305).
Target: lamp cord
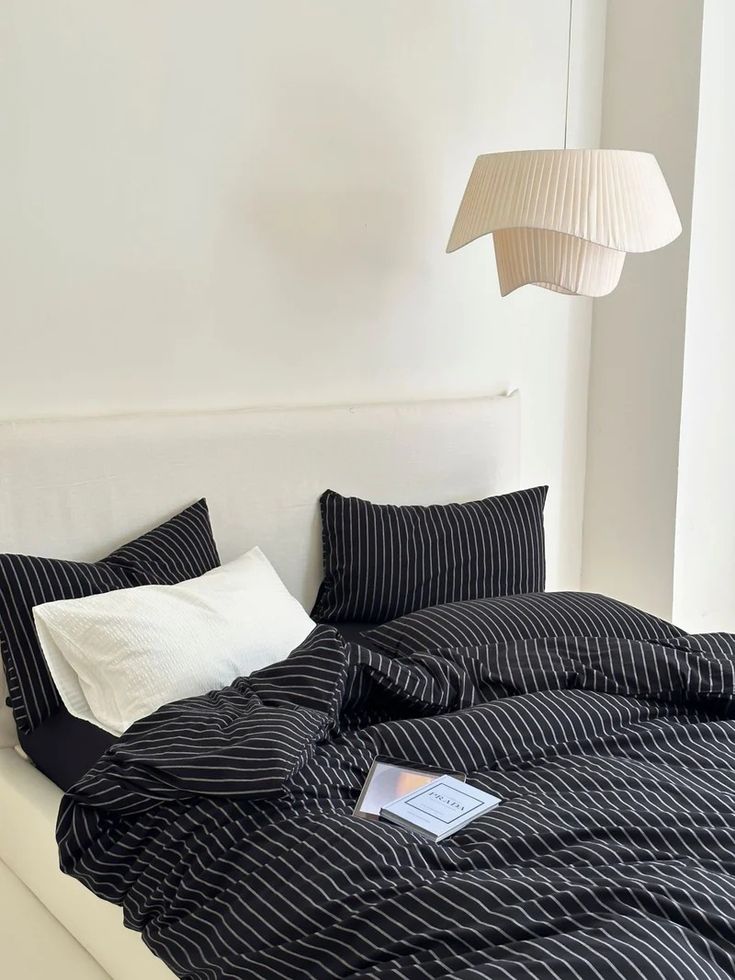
(569, 70)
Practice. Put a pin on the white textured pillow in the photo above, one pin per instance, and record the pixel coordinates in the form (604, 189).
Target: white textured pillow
(117, 657)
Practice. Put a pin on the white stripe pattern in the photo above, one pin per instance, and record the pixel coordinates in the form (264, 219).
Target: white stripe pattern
(222, 824)
(382, 561)
(461, 624)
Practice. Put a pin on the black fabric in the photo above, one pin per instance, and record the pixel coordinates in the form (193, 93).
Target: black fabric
(382, 561)
(461, 624)
(353, 631)
(222, 824)
(181, 548)
(64, 748)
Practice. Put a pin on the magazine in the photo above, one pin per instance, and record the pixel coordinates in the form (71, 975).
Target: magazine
(388, 778)
(440, 808)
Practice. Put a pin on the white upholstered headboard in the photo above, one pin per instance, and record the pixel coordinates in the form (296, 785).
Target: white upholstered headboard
(78, 488)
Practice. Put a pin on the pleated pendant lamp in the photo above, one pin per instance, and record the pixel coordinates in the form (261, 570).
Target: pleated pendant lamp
(564, 219)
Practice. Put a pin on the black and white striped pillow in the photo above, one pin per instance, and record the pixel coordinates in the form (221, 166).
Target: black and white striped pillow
(180, 549)
(382, 561)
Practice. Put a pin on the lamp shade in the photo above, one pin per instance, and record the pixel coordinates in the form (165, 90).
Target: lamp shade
(564, 219)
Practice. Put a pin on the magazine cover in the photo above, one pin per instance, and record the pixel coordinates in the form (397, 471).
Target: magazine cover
(387, 779)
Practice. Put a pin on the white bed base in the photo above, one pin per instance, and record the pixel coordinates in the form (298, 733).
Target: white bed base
(30, 938)
(77, 488)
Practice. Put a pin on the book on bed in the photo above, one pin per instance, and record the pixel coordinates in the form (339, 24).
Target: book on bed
(442, 807)
(388, 779)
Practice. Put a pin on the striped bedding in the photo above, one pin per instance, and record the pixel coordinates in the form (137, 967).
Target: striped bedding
(222, 824)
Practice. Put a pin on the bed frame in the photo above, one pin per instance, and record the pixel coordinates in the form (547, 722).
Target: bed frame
(78, 488)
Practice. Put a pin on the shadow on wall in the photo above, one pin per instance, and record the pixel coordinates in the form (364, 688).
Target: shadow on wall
(318, 219)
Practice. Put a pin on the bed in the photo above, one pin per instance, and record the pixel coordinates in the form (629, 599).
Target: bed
(78, 487)
(222, 822)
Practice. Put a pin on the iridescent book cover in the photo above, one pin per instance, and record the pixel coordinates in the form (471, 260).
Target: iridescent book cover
(388, 779)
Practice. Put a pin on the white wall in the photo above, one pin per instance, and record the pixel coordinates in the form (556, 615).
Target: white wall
(233, 203)
(704, 574)
(650, 102)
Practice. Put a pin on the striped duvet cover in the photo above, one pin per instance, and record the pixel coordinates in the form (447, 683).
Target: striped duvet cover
(222, 824)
